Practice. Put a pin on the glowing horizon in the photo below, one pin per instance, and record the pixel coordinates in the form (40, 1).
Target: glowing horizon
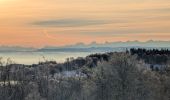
(38, 23)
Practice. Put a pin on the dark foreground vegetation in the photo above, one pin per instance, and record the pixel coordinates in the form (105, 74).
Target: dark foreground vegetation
(137, 74)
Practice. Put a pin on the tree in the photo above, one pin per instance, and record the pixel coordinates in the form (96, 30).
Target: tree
(120, 79)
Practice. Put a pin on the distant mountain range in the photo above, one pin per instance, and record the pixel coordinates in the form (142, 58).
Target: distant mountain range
(150, 43)
(93, 47)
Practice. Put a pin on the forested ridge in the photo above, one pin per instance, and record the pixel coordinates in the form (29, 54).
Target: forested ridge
(137, 74)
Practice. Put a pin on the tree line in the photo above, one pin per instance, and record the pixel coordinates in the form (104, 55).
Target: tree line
(109, 76)
(152, 56)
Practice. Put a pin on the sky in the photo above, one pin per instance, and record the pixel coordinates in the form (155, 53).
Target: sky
(39, 23)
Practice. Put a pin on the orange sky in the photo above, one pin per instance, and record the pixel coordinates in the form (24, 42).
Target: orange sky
(38, 23)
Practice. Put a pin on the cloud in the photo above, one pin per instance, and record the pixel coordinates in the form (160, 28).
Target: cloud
(69, 22)
(121, 32)
(162, 10)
